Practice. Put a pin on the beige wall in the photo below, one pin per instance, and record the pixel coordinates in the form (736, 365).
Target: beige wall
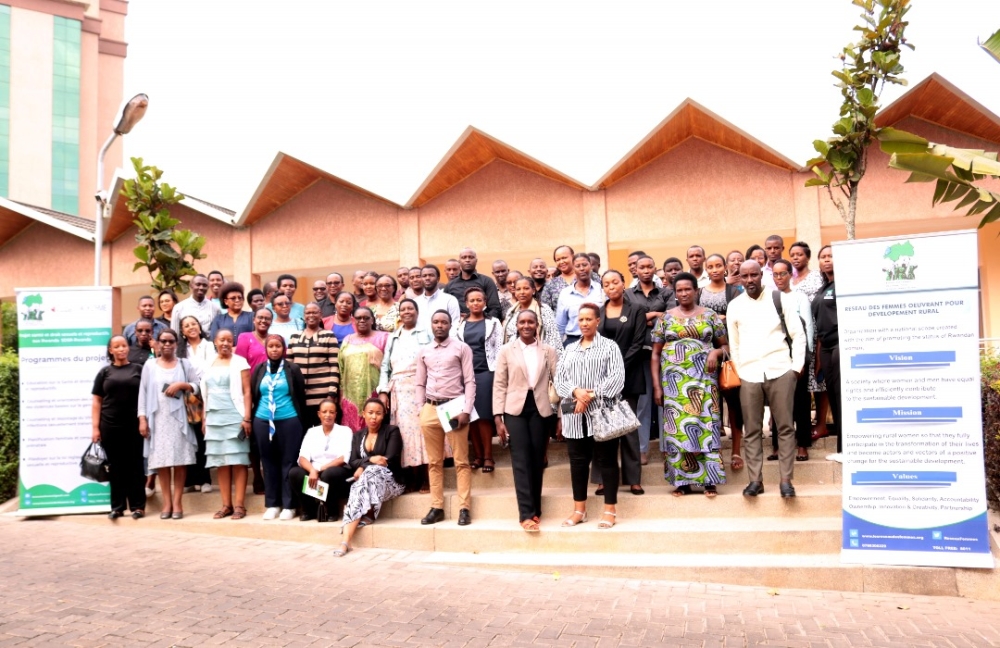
(501, 210)
(31, 35)
(44, 256)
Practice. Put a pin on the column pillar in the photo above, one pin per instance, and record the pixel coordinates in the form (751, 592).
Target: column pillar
(242, 263)
(409, 236)
(595, 223)
(807, 217)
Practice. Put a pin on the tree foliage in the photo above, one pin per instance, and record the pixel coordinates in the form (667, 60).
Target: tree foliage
(959, 173)
(868, 66)
(166, 252)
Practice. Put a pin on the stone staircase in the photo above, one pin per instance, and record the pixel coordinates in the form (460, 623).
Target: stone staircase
(730, 539)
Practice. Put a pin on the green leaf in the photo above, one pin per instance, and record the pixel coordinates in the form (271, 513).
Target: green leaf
(866, 97)
(141, 253)
(890, 134)
(970, 197)
(817, 182)
(992, 45)
(954, 192)
(902, 147)
(991, 217)
(844, 77)
(935, 165)
(942, 186)
(821, 147)
(920, 177)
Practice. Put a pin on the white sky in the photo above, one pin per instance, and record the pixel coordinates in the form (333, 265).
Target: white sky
(377, 92)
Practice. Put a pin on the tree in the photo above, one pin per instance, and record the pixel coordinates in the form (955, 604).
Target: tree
(167, 253)
(868, 65)
(958, 172)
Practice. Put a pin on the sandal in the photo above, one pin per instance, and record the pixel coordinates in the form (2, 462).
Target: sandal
(490, 467)
(340, 553)
(711, 492)
(736, 463)
(804, 457)
(223, 512)
(571, 521)
(607, 524)
(475, 465)
(239, 512)
(772, 457)
(530, 525)
(681, 491)
(365, 521)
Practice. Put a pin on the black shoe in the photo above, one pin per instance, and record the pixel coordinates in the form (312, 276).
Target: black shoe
(753, 489)
(464, 517)
(787, 490)
(305, 517)
(434, 515)
(114, 515)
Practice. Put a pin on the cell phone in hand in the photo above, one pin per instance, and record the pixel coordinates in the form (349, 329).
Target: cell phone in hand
(241, 436)
(568, 406)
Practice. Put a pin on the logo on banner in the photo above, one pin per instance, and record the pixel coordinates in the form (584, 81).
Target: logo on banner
(31, 307)
(902, 263)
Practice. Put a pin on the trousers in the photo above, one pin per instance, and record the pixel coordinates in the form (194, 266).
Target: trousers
(528, 437)
(458, 439)
(780, 395)
(279, 455)
(605, 454)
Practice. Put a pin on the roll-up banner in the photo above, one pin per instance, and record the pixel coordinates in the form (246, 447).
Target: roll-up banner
(63, 335)
(913, 479)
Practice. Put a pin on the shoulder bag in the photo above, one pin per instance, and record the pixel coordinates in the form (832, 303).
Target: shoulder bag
(728, 378)
(612, 419)
(94, 464)
(192, 402)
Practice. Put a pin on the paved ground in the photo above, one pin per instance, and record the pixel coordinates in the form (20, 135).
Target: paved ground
(63, 584)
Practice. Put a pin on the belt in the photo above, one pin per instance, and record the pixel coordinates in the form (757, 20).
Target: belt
(435, 402)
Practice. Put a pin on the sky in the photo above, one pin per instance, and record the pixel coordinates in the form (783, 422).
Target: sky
(376, 93)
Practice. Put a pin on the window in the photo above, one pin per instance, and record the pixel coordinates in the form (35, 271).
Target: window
(66, 116)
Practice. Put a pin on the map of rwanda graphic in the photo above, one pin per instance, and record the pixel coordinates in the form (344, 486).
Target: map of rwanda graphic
(901, 257)
(32, 307)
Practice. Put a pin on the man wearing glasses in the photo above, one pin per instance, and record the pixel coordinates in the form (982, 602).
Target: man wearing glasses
(333, 286)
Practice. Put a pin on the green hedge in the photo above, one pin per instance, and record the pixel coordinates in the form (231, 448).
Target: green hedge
(990, 384)
(10, 435)
(8, 322)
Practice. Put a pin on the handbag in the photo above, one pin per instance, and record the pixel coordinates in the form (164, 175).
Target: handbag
(193, 405)
(728, 378)
(94, 464)
(612, 419)
(554, 397)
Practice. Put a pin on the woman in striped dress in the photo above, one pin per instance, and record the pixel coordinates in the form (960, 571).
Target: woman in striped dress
(590, 370)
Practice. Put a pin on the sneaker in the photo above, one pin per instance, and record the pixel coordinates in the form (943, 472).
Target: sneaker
(836, 456)
(150, 492)
(206, 488)
(271, 513)
(287, 514)
(191, 489)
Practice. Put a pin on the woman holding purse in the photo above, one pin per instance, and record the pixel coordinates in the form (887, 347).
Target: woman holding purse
(591, 373)
(521, 408)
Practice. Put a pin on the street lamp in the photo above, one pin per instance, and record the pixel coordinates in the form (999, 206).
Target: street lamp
(133, 110)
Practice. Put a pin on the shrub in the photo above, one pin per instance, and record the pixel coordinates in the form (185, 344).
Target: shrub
(8, 322)
(10, 409)
(990, 384)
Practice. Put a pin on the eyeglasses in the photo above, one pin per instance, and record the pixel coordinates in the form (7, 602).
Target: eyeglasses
(277, 304)
(168, 341)
(235, 298)
(363, 318)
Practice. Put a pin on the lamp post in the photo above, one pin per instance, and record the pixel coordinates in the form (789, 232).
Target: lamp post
(131, 113)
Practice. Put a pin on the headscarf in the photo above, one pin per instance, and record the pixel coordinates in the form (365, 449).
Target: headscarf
(275, 369)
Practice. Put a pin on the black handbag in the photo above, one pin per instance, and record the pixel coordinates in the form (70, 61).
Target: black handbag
(94, 464)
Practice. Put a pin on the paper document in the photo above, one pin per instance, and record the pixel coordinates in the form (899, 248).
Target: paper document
(319, 492)
(451, 409)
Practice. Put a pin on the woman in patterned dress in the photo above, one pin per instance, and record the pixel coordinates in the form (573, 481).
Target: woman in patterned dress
(378, 475)
(686, 359)
(809, 282)
(384, 305)
(361, 359)
(397, 390)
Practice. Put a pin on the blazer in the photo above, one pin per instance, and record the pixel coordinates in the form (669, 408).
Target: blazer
(296, 382)
(388, 445)
(630, 338)
(510, 380)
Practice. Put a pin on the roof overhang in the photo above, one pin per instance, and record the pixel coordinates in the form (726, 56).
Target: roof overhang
(474, 150)
(691, 119)
(15, 217)
(937, 100)
(285, 179)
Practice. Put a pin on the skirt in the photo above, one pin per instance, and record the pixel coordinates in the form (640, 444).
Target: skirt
(375, 486)
(484, 395)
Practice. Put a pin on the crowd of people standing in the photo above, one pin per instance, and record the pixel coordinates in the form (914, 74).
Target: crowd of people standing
(369, 389)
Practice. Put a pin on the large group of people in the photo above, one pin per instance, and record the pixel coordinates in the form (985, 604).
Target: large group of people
(366, 391)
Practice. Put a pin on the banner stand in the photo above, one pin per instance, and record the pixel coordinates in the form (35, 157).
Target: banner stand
(63, 336)
(914, 484)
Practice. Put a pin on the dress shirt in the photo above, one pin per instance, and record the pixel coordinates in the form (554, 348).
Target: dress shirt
(129, 331)
(320, 449)
(568, 307)
(439, 300)
(599, 368)
(659, 300)
(550, 293)
(298, 311)
(703, 279)
(530, 353)
(457, 287)
(242, 324)
(444, 372)
(326, 308)
(205, 311)
(756, 341)
(804, 308)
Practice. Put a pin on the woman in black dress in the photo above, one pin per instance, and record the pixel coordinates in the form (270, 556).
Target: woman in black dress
(116, 427)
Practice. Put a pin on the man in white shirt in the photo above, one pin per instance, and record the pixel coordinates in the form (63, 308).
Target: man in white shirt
(696, 265)
(434, 298)
(197, 304)
(774, 247)
(769, 357)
